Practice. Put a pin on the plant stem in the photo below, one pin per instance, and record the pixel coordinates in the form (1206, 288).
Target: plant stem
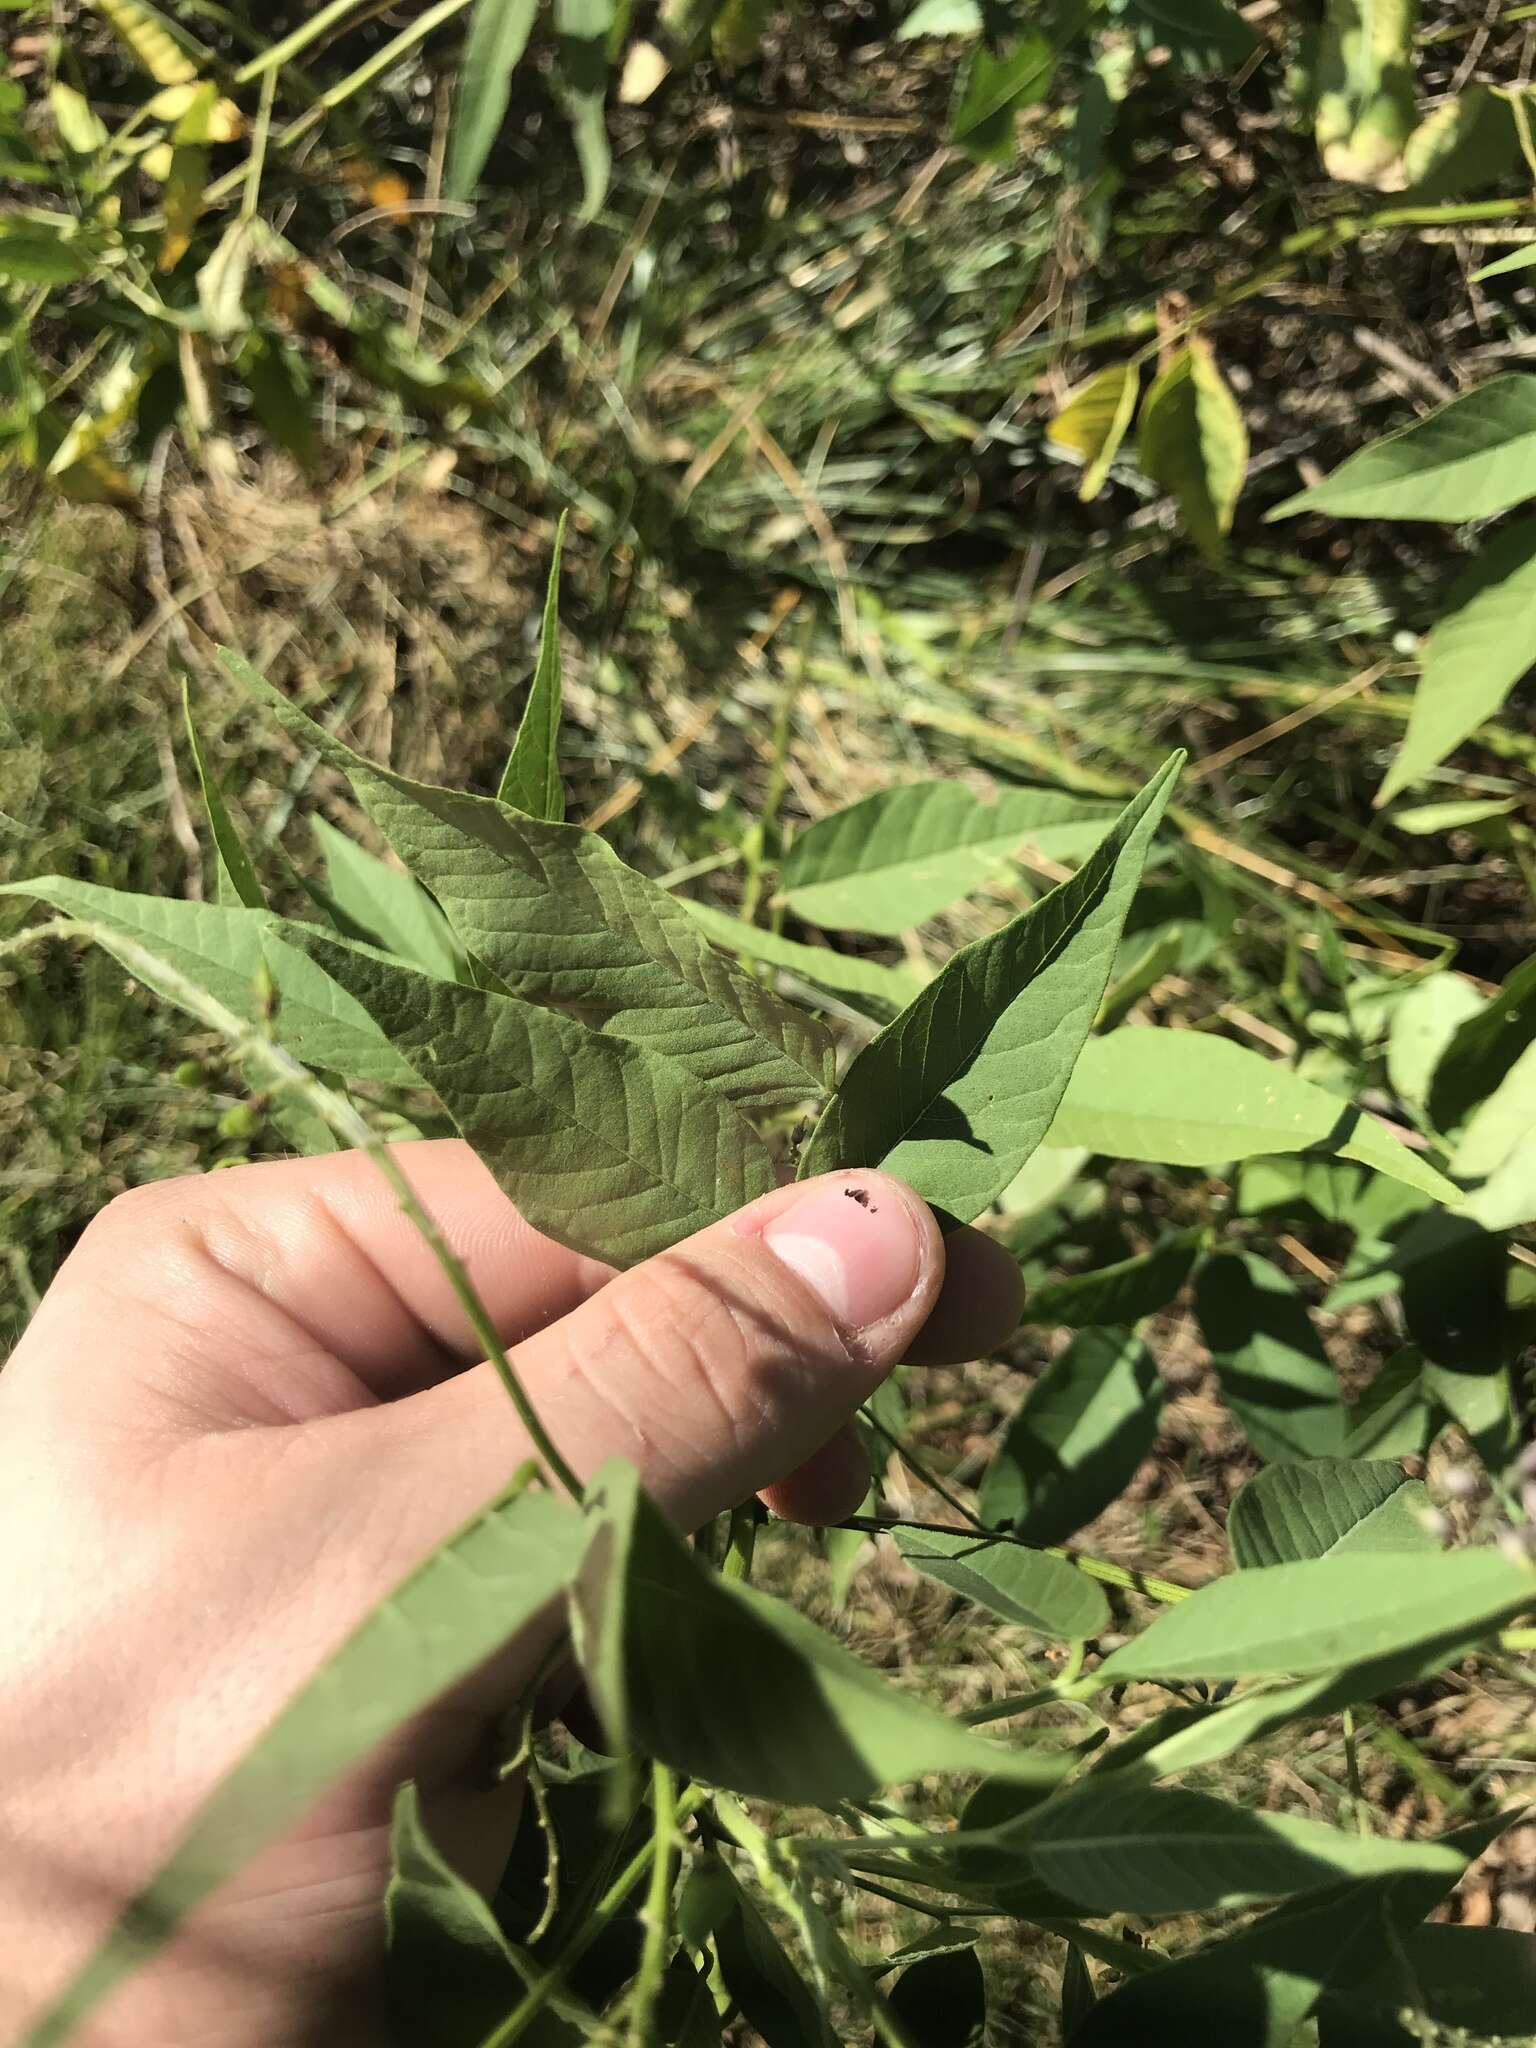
(1352, 1771)
(248, 1043)
(258, 156)
(1133, 1581)
(273, 59)
(920, 1471)
(381, 60)
(656, 1914)
(741, 1542)
(1318, 240)
(755, 845)
(543, 1989)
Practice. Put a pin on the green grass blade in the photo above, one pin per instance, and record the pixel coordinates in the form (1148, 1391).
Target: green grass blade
(498, 35)
(237, 877)
(530, 781)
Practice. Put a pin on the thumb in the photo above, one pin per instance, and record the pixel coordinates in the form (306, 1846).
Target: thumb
(716, 1368)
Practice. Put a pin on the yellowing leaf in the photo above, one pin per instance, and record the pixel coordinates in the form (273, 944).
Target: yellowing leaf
(1464, 146)
(221, 281)
(187, 177)
(112, 403)
(1093, 422)
(80, 129)
(1365, 97)
(145, 33)
(1193, 442)
(221, 122)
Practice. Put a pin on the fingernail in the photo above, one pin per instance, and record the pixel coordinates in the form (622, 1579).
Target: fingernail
(856, 1247)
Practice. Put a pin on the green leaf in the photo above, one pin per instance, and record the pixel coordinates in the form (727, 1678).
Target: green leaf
(451, 1973)
(996, 84)
(1044, 1593)
(1507, 1198)
(498, 35)
(1324, 1614)
(1043, 1178)
(531, 781)
(469, 1598)
(221, 280)
(582, 28)
(33, 253)
(1457, 815)
(1274, 1373)
(1123, 1848)
(849, 974)
(1482, 1979)
(1505, 1120)
(1085, 1426)
(227, 952)
(1077, 1992)
(750, 1695)
(601, 1143)
(81, 129)
(1517, 259)
(1094, 420)
(1467, 144)
(1480, 648)
(942, 18)
(237, 878)
(1362, 80)
(1188, 1098)
(1393, 1417)
(1469, 459)
(900, 857)
(1453, 1298)
(773, 1997)
(283, 398)
(554, 912)
(955, 1094)
(1290, 1512)
(1423, 1025)
(1485, 1048)
(1258, 1986)
(1121, 1293)
(941, 2001)
(1193, 443)
(1203, 35)
(388, 905)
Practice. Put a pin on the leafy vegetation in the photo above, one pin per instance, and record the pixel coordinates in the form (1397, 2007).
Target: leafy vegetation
(909, 547)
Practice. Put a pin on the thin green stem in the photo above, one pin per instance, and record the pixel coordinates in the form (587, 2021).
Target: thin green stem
(741, 1543)
(919, 1471)
(248, 1043)
(277, 56)
(911, 1905)
(381, 60)
(256, 162)
(1352, 1772)
(538, 1995)
(656, 1914)
(1318, 240)
(755, 845)
(1133, 1581)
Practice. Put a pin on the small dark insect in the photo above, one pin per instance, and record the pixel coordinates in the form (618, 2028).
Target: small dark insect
(860, 1196)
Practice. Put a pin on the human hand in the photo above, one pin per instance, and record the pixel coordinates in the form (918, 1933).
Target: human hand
(250, 1404)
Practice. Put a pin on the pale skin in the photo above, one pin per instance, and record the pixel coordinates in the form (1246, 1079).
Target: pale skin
(250, 1403)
